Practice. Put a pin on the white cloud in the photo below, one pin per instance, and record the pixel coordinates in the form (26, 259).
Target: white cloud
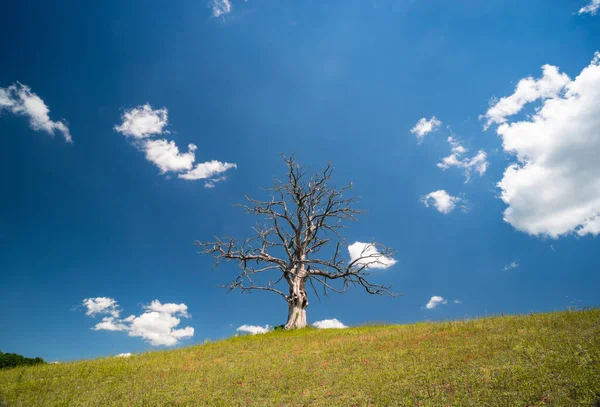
(591, 226)
(367, 254)
(206, 170)
(211, 182)
(175, 309)
(253, 329)
(591, 8)
(158, 328)
(157, 325)
(424, 127)
(166, 156)
(442, 201)
(329, 324)
(220, 7)
(435, 301)
(5, 98)
(528, 90)
(110, 324)
(511, 266)
(477, 163)
(123, 355)
(554, 189)
(457, 301)
(101, 305)
(143, 121)
(20, 100)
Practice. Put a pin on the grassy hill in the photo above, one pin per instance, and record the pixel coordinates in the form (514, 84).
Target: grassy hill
(534, 360)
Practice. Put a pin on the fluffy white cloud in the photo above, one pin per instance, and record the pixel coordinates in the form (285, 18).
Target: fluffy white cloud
(166, 156)
(528, 90)
(123, 355)
(476, 163)
(367, 254)
(220, 7)
(110, 324)
(20, 100)
(253, 329)
(591, 8)
(157, 325)
(442, 201)
(158, 328)
(435, 301)
(329, 324)
(591, 226)
(208, 169)
(101, 305)
(424, 126)
(511, 266)
(143, 121)
(175, 309)
(554, 189)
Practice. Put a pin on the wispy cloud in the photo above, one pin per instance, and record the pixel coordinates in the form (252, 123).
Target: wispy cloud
(591, 8)
(142, 123)
(20, 100)
(511, 266)
(220, 7)
(424, 127)
(477, 163)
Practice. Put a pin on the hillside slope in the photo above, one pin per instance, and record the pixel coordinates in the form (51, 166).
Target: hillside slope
(534, 360)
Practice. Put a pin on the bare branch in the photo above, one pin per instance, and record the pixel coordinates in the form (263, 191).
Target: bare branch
(304, 217)
(249, 288)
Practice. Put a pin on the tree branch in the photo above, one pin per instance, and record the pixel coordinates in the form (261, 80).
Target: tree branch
(305, 216)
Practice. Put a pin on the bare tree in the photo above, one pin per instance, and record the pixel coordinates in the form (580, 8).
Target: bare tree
(300, 243)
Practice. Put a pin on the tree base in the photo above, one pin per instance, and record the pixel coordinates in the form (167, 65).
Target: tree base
(296, 318)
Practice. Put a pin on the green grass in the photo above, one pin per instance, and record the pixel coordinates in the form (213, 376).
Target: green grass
(534, 360)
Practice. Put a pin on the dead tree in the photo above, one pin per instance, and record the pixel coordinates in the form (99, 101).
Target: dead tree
(300, 242)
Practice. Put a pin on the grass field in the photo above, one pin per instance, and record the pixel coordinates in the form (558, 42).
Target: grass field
(534, 360)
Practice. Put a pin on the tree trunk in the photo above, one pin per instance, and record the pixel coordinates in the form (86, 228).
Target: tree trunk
(297, 304)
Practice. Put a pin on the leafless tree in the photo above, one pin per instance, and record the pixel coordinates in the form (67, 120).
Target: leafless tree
(300, 242)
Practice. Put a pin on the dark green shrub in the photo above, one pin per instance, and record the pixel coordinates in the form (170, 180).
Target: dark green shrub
(9, 360)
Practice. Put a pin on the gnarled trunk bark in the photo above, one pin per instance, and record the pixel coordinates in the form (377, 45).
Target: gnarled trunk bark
(297, 303)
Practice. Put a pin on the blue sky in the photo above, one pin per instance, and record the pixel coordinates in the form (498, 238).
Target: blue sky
(113, 214)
